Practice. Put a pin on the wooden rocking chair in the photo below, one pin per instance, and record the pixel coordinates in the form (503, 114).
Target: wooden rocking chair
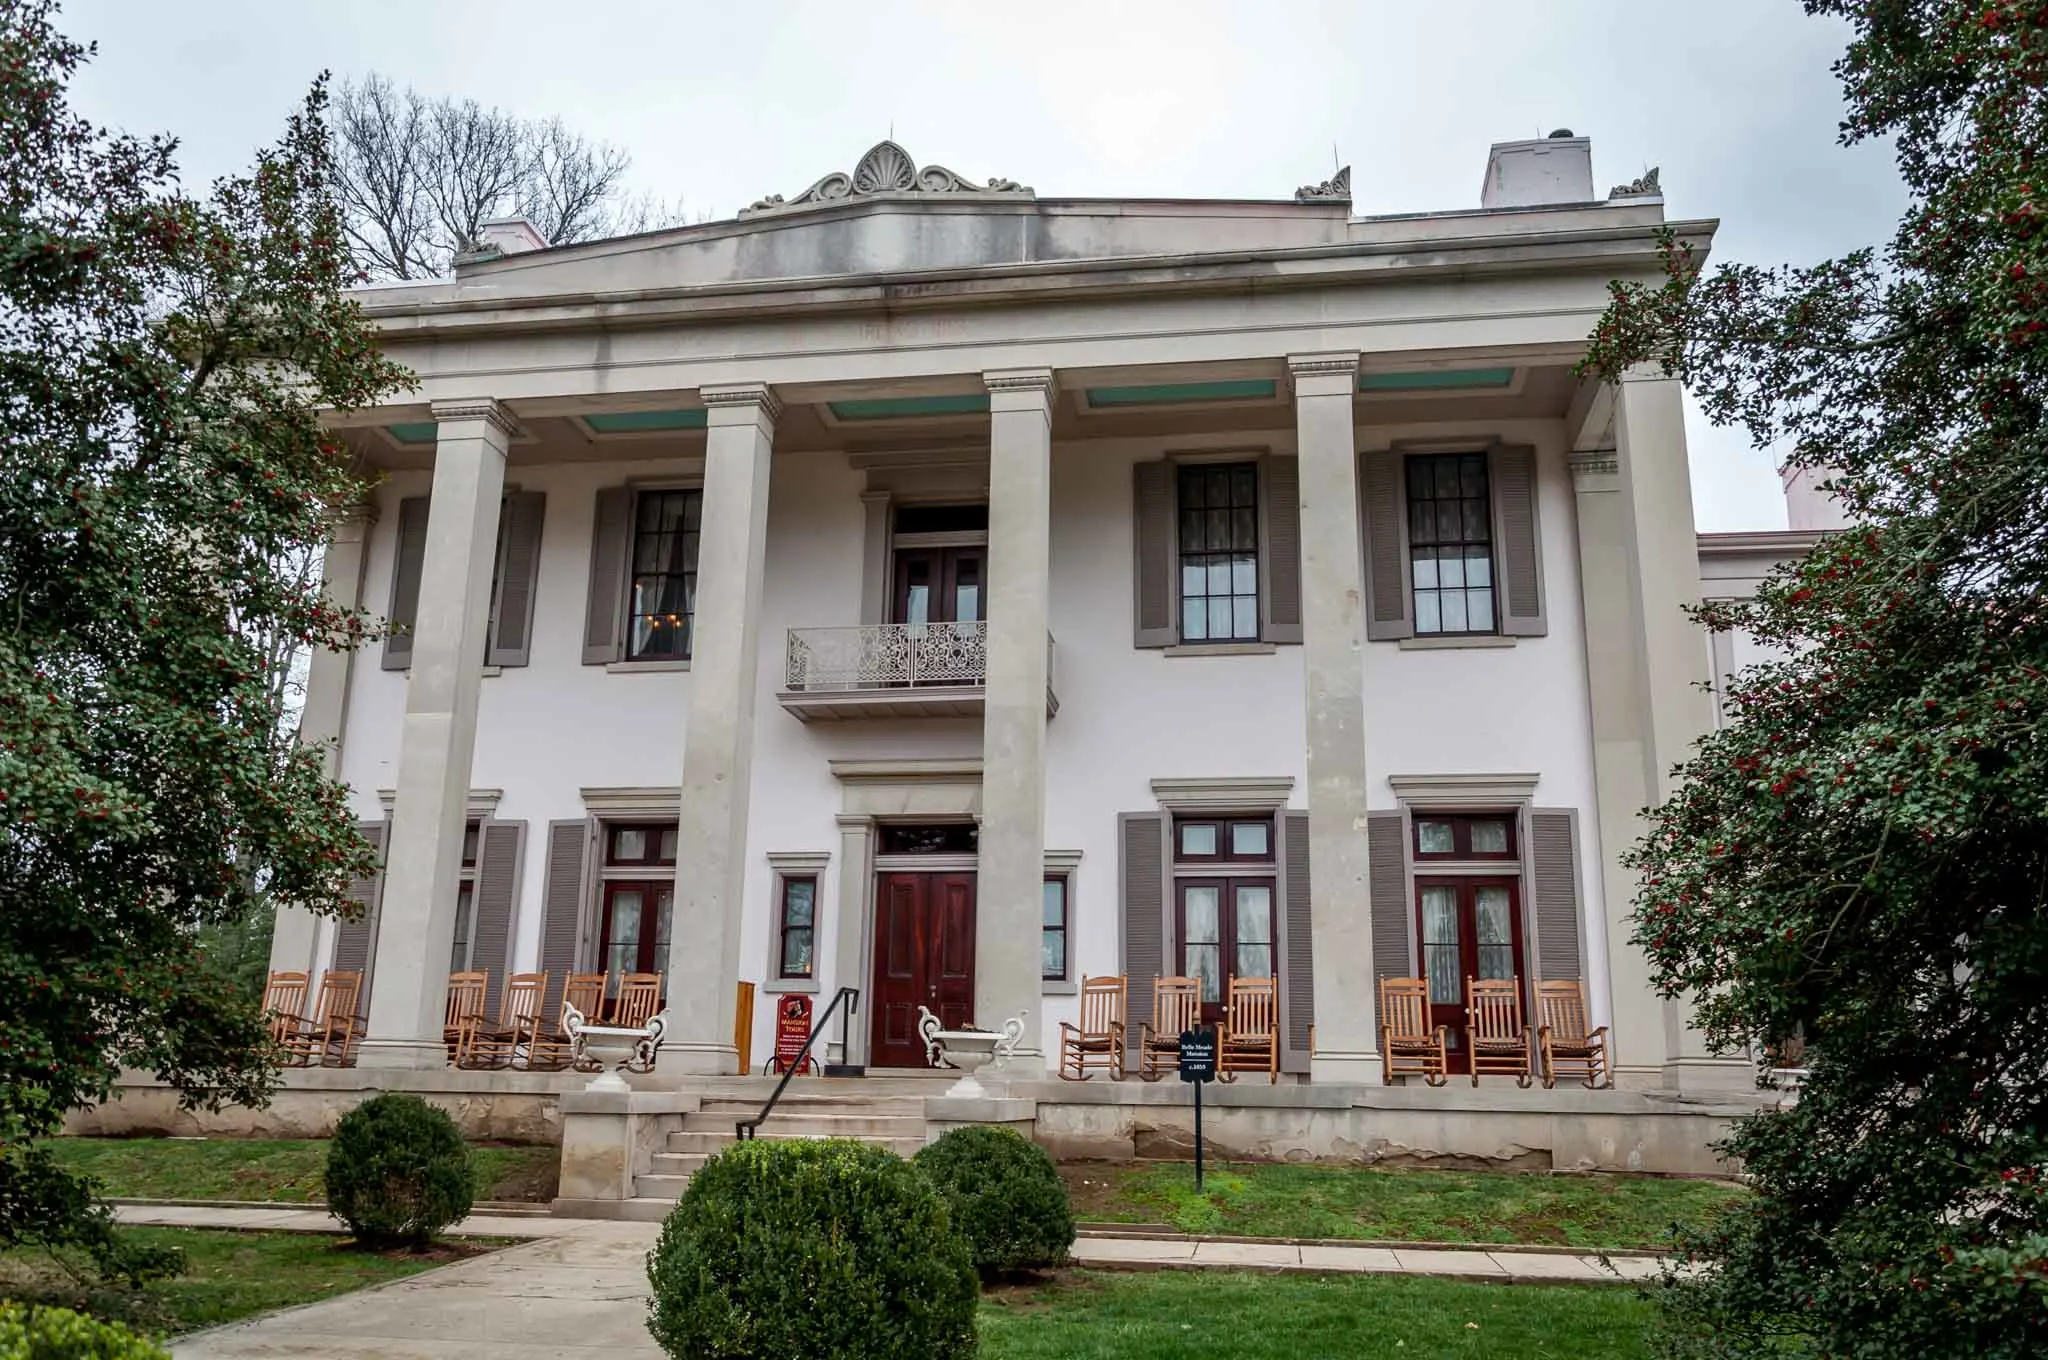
(1099, 1039)
(1408, 1043)
(552, 1047)
(639, 998)
(1564, 1038)
(510, 1043)
(284, 1007)
(329, 1037)
(1250, 1041)
(465, 1010)
(1499, 1041)
(1176, 1005)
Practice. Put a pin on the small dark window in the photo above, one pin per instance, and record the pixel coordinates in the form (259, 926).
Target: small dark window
(640, 844)
(947, 838)
(663, 600)
(465, 908)
(1052, 946)
(798, 927)
(1205, 840)
(941, 519)
(1450, 543)
(470, 834)
(1219, 552)
(1443, 836)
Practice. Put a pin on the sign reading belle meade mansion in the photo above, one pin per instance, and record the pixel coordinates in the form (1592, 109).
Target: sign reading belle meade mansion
(925, 586)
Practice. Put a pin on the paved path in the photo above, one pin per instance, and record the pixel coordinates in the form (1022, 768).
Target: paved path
(578, 1287)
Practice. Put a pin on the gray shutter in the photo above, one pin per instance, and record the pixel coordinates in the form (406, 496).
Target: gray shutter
(1512, 475)
(1280, 542)
(1554, 879)
(353, 941)
(497, 890)
(518, 579)
(561, 920)
(409, 557)
(1152, 531)
(1143, 869)
(1298, 986)
(1386, 847)
(611, 537)
(1391, 611)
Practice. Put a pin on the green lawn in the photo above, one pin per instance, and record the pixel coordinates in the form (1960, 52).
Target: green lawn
(228, 1275)
(282, 1169)
(1260, 1199)
(1188, 1315)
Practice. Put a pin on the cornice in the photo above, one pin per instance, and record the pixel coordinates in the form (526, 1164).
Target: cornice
(1019, 380)
(487, 409)
(742, 395)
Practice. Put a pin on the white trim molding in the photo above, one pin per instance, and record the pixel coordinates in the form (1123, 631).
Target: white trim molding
(644, 801)
(1463, 790)
(483, 803)
(1063, 863)
(799, 862)
(1223, 794)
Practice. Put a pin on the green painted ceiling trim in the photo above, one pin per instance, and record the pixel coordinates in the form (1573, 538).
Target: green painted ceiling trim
(1436, 380)
(1173, 394)
(414, 432)
(644, 422)
(897, 408)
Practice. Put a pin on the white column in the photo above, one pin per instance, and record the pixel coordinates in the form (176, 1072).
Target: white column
(423, 855)
(1333, 659)
(718, 740)
(1010, 891)
(1673, 706)
(323, 718)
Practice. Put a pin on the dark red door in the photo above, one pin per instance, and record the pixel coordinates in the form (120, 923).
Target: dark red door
(1469, 928)
(924, 956)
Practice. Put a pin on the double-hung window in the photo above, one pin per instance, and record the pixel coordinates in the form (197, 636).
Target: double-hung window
(1450, 544)
(1219, 552)
(1052, 939)
(797, 924)
(661, 603)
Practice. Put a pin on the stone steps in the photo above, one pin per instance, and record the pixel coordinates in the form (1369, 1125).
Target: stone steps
(894, 1121)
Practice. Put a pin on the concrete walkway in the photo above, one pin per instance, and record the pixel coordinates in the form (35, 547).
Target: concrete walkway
(579, 1286)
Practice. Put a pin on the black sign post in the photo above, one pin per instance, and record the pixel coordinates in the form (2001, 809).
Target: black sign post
(1198, 1065)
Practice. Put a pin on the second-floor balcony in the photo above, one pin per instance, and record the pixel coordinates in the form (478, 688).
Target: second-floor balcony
(891, 670)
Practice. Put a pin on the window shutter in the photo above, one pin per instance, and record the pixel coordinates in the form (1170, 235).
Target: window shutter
(561, 921)
(611, 535)
(1511, 471)
(1554, 878)
(1144, 916)
(1153, 533)
(518, 579)
(497, 889)
(411, 556)
(1280, 564)
(1386, 847)
(1298, 986)
(354, 940)
(1392, 611)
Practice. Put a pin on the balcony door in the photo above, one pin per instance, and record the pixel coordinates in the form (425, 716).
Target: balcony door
(940, 585)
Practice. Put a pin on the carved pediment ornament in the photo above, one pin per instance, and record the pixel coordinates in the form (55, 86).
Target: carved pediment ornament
(1335, 189)
(886, 169)
(1644, 187)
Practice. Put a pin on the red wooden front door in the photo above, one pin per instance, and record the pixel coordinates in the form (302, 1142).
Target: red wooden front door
(924, 956)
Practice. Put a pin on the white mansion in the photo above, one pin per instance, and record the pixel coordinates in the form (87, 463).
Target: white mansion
(931, 588)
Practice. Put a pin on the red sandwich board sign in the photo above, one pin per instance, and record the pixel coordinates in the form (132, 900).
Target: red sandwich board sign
(792, 1029)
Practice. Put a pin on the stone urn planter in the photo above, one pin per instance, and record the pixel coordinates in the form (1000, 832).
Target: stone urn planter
(969, 1050)
(613, 1048)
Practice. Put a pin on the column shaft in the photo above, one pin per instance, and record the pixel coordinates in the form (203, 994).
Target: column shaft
(1333, 661)
(718, 741)
(423, 853)
(1009, 891)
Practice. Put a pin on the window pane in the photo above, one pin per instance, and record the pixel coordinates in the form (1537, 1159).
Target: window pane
(1194, 578)
(1450, 572)
(1478, 528)
(1421, 523)
(664, 913)
(1192, 539)
(1052, 954)
(629, 843)
(967, 603)
(1244, 618)
(1439, 914)
(1489, 838)
(796, 953)
(1244, 529)
(1473, 475)
(458, 956)
(1244, 575)
(668, 843)
(1244, 485)
(1428, 618)
(799, 899)
(626, 907)
(1219, 487)
(1205, 961)
(1198, 838)
(1451, 604)
(1478, 567)
(1254, 915)
(1194, 619)
(1200, 915)
(1490, 917)
(1220, 618)
(1448, 522)
(1445, 986)
(1446, 480)
(1496, 961)
(1255, 960)
(1425, 569)
(470, 834)
(1191, 485)
(1435, 838)
(1055, 903)
(1250, 839)
(1218, 577)
(1479, 611)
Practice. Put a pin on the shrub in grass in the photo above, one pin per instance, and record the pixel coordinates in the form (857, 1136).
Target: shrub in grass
(1005, 1195)
(398, 1172)
(828, 1247)
(30, 1333)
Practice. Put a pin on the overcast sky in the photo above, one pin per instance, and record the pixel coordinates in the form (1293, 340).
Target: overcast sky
(719, 104)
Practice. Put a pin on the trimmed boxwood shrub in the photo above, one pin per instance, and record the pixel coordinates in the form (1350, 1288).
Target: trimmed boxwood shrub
(823, 1247)
(1005, 1195)
(29, 1333)
(398, 1171)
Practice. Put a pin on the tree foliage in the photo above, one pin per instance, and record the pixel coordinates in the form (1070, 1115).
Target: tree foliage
(163, 474)
(1860, 857)
(419, 176)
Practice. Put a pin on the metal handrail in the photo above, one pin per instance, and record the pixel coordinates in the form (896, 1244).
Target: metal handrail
(745, 1128)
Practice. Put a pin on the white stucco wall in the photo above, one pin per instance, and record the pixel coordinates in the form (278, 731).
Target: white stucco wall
(1125, 716)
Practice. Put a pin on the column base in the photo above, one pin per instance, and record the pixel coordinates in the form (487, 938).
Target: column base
(413, 1055)
(1711, 1075)
(1346, 1069)
(699, 1060)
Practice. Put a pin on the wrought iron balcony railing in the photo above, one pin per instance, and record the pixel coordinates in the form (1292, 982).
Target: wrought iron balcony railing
(887, 655)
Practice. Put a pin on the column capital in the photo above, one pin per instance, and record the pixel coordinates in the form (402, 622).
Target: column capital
(733, 403)
(1330, 374)
(1594, 469)
(1019, 380)
(489, 410)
